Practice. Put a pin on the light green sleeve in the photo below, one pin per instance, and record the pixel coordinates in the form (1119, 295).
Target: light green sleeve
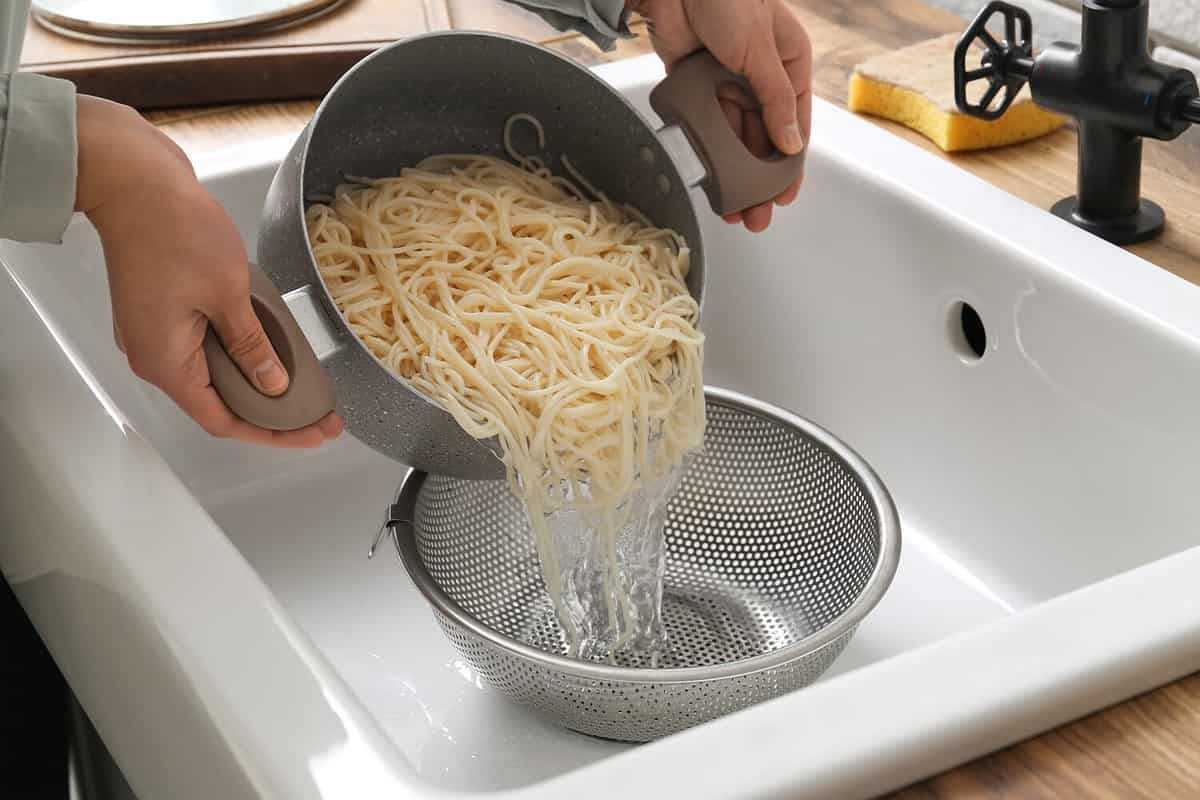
(37, 141)
(602, 21)
(13, 14)
(38, 157)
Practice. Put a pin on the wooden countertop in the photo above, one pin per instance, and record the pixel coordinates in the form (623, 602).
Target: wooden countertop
(1146, 747)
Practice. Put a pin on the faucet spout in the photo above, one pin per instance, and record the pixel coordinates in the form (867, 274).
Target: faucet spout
(1112, 86)
(1190, 110)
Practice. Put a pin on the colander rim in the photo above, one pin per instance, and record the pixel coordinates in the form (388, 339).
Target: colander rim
(873, 591)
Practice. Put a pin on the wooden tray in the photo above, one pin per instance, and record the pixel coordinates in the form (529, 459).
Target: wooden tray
(300, 62)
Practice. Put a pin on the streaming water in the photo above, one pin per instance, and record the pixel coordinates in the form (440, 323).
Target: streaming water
(610, 568)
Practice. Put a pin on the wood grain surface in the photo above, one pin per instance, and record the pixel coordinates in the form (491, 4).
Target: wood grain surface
(302, 61)
(1148, 747)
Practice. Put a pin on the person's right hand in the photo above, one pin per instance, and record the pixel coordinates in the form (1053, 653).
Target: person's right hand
(761, 40)
(175, 262)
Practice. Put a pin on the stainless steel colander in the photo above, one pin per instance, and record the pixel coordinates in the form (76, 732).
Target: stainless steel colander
(780, 540)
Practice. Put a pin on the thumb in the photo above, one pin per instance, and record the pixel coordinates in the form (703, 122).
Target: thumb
(244, 339)
(771, 84)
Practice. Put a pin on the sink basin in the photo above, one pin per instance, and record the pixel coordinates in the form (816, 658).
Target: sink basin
(1027, 393)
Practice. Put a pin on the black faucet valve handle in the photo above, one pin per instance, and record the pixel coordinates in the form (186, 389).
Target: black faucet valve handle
(1005, 63)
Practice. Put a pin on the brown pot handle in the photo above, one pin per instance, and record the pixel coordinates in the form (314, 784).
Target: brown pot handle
(737, 179)
(309, 396)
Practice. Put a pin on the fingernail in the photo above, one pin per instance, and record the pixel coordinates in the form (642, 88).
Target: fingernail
(271, 377)
(793, 139)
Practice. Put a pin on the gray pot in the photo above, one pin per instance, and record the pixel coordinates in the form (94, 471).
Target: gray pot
(452, 93)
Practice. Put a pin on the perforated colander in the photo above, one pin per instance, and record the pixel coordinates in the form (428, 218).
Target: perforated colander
(780, 540)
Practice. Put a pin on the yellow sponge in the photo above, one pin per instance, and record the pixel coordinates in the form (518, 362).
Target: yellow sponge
(915, 87)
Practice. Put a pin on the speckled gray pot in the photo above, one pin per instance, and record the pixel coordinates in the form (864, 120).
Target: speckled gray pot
(452, 92)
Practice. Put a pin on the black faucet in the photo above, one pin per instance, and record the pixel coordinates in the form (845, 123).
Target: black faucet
(1109, 83)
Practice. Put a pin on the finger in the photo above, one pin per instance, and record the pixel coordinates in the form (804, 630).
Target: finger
(671, 33)
(789, 195)
(734, 95)
(803, 96)
(204, 405)
(773, 87)
(187, 382)
(733, 103)
(754, 134)
(331, 425)
(117, 337)
(758, 218)
(733, 114)
(244, 339)
(795, 48)
(302, 439)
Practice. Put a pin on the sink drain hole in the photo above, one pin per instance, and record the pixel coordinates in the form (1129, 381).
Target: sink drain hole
(967, 332)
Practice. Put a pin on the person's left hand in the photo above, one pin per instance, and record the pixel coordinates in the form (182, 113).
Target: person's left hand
(176, 264)
(761, 40)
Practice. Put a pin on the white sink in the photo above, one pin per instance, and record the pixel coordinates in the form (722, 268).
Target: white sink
(213, 608)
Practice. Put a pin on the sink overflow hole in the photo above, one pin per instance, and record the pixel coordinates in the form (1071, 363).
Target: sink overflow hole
(968, 332)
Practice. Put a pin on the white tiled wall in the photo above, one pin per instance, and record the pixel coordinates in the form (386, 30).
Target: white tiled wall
(1175, 23)
(1051, 22)
(1181, 18)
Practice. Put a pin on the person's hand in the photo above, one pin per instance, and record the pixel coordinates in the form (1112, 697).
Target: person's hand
(761, 40)
(175, 261)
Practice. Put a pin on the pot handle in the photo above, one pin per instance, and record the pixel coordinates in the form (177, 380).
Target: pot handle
(309, 396)
(737, 179)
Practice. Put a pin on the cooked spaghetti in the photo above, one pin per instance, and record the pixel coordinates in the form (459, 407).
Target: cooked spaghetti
(534, 310)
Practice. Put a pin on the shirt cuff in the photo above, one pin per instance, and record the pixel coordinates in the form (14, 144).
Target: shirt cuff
(38, 157)
(602, 21)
